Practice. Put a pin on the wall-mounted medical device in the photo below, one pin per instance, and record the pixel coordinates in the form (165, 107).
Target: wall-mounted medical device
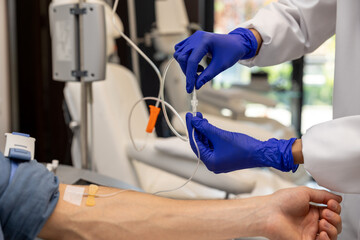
(78, 50)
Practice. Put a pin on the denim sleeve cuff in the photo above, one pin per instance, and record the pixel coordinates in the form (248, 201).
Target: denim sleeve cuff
(28, 200)
(1, 234)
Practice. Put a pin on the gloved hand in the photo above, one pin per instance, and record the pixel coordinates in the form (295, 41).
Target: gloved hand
(223, 151)
(225, 50)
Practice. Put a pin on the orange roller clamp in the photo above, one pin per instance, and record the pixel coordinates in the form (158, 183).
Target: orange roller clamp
(154, 113)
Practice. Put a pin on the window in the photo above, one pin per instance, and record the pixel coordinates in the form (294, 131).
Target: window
(318, 85)
(274, 82)
(317, 80)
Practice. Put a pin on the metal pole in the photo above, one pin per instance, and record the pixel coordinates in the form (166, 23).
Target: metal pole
(298, 98)
(91, 165)
(84, 126)
(84, 99)
(133, 37)
(13, 51)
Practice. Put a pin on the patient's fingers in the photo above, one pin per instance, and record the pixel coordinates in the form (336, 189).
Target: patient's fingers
(322, 196)
(333, 218)
(323, 236)
(334, 206)
(330, 225)
(328, 228)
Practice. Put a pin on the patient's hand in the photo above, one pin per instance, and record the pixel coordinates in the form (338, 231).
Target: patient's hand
(291, 216)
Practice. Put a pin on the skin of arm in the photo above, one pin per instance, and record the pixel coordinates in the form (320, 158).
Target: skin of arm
(134, 215)
(297, 152)
(258, 39)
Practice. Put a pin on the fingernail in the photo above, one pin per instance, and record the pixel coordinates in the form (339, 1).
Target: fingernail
(326, 225)
(328, 214)
(333, 205)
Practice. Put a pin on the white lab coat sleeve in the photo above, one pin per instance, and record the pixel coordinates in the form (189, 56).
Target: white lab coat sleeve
(331, 153)
(290, 29)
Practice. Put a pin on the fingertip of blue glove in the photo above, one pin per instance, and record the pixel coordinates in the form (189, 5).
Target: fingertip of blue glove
(194, 121)
(189, 127)
(189, 89)
(189, 116)
(198, 85)
(175, 55)
(204, 77)
(179, 44)
(190, 82)
(197, 122)
(200, 82)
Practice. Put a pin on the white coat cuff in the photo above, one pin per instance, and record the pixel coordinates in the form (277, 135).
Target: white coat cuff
(275, 37)
(331, 153)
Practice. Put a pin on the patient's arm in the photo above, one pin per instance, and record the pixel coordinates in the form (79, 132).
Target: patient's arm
(134, 215)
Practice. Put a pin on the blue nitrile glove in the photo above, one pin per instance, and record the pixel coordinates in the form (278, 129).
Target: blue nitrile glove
(225, 50)
(223, 151)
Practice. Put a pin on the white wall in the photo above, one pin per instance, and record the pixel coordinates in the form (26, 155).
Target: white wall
(4, 77)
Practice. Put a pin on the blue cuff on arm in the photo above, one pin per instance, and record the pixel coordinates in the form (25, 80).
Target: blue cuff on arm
(28, 200)
(13, 166)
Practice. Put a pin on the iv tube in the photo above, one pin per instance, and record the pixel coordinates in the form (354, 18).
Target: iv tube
(159, 99)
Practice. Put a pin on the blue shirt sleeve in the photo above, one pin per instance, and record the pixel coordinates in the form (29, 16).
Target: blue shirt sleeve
(1, 234)
(27, 201)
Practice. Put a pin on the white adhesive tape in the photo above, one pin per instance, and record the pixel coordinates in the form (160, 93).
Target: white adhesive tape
(74, 195)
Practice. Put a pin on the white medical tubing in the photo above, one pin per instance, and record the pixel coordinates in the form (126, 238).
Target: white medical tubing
(161, 79)
(194, 103)
(159, 99)
(106, 195)
(132, 110)
(191, 177)
(162, 96)
(133, 45)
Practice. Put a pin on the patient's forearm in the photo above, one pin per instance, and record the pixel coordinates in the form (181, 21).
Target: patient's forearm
(133, 215)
